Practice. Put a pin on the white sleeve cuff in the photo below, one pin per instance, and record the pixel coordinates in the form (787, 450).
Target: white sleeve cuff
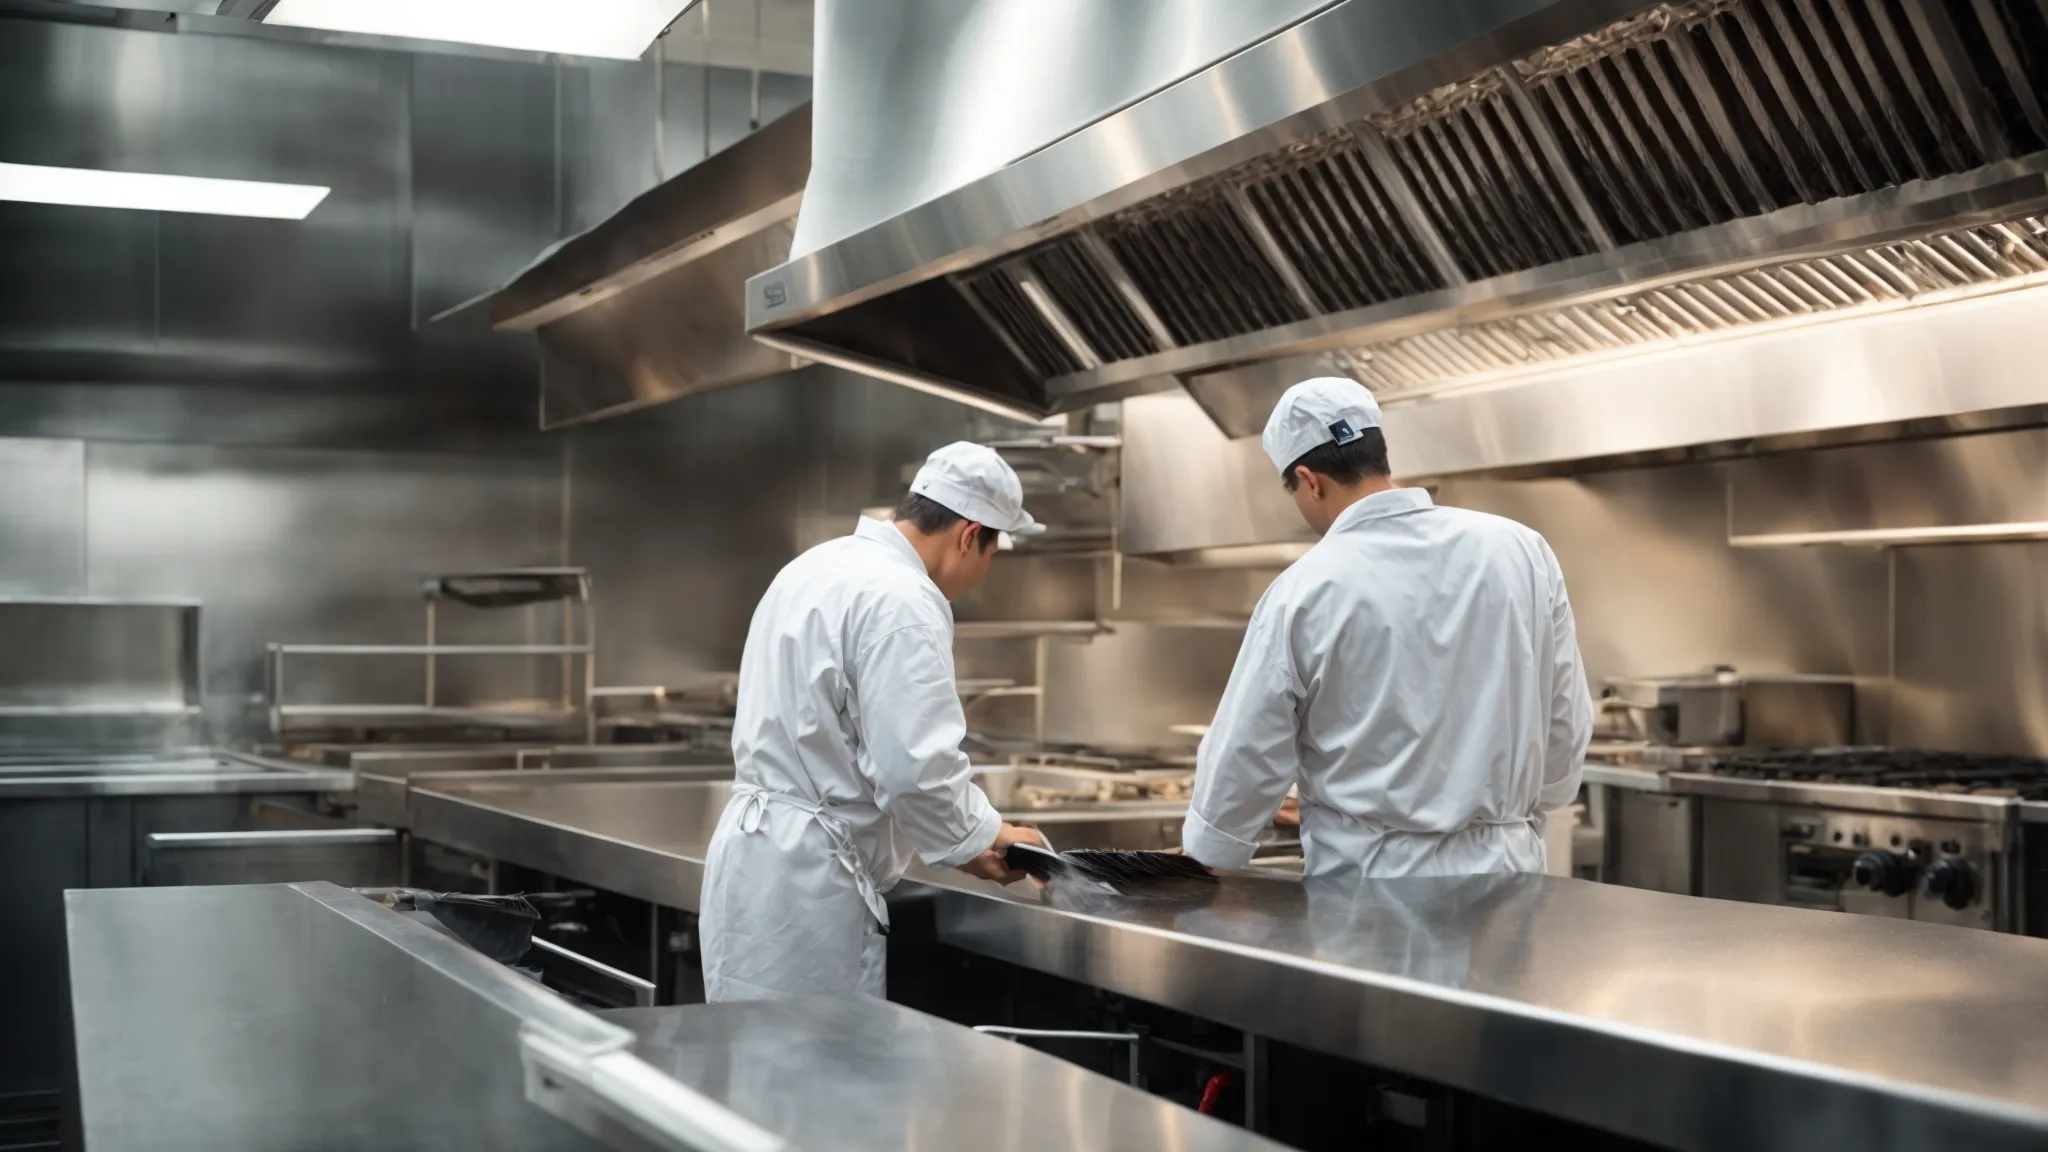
(1213, 846)
(986, 825)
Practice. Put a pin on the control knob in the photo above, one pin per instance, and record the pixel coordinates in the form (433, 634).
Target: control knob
(1885, 872)
(1953, 881)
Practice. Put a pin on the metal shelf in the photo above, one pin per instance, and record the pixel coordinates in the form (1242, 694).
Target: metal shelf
(431, 649)
(1025, 629)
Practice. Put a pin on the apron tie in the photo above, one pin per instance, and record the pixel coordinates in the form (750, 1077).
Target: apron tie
(754, 805)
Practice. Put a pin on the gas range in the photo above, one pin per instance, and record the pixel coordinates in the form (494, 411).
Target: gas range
(1960, 773)
(1899, 832)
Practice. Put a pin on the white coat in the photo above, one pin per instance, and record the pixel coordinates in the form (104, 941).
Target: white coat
(1416, 675)
(847, 762)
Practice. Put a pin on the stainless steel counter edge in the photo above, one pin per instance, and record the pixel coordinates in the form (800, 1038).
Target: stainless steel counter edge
(643, 872)
(1863, 798)
(1684, 1093)
(1860, 797)
(259, 775)
(1624, 776)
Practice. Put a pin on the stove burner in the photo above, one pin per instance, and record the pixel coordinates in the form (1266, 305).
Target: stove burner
(1967, 772)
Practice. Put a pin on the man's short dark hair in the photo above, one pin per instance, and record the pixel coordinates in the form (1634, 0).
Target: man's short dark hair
(1347, 464)
(931, 518)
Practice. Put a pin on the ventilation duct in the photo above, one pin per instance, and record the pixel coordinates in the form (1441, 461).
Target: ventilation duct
(646, 307)
(1468, 193)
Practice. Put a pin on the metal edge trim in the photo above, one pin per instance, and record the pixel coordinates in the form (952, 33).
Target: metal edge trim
(917, 381)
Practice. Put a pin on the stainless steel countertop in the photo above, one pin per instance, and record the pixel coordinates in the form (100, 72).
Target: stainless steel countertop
(647, 840)
(859, 1074)
(184, 772)
(386, 798)
(1687, 1022)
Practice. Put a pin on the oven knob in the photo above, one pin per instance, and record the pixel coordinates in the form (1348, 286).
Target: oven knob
(1883, 872)
(1954, 881)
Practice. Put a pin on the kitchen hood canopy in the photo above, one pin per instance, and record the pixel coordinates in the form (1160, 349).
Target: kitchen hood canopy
(1428, 196)
(646, 306)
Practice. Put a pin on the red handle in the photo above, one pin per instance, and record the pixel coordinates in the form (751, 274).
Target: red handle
(1213, 1092)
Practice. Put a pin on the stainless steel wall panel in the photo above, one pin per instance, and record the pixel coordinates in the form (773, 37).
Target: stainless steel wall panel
(253, 413)
(74, 281)
(312, 546)
(42, 517)
(729, 108)
(681, 514)
(1973, 648)
(609, 112)
(1916, 489)
(685, 512)
(1186, 487)
(1131, 686)
(483, 175)
(193, 299)
(685, 119)
(102, 655)
(1656, 588)
(781, 92)
(268, 296)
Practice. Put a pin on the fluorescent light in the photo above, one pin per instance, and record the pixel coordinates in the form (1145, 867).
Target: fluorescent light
(94, 188)
(618, 29)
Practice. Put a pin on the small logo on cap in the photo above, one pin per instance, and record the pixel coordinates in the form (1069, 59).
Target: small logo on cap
(1343, 432)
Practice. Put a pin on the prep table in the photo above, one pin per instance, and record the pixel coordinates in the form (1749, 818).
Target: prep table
(866, 1075)
(272, 1016)
(103, 819)
(1680, 1021)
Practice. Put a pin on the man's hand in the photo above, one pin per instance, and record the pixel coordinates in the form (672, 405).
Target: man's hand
(1289, 815)
(990, 864)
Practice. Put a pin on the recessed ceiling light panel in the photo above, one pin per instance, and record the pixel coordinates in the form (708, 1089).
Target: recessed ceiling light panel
(95, 188)
(616, 29)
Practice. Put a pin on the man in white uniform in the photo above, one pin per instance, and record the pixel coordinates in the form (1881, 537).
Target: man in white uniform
(1415, 675)
(847, 742)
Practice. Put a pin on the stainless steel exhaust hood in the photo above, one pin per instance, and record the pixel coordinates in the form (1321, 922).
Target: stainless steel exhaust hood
(646, 306)
(1470, 192)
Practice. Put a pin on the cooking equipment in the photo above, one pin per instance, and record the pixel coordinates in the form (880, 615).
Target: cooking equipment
(1721, 708)
(1121, 869)
(1895, 832)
